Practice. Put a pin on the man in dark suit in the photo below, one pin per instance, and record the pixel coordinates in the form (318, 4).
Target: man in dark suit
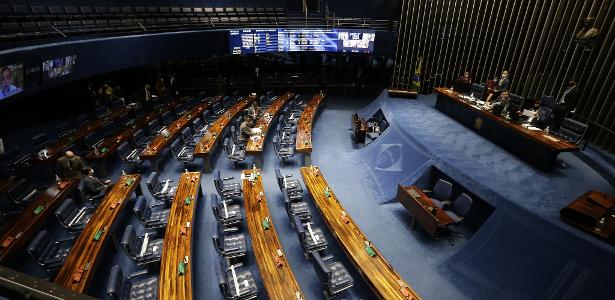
(93, 185)
(71, 165)
(500, 85)
(567, 103)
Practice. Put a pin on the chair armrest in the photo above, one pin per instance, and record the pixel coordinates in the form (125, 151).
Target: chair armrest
(328, 257)
(227, 178)
(237, 265)
(427, 191)
(138, 273)
(157, 204)
(64, 240)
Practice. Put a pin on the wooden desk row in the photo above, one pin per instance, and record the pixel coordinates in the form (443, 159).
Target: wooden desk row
(82, 261)
(54, 151)
(205, 147)
(275, 271)
(255, 145)
(534, 146)
(593, 213)
(175, 280)
(19, 231)
(109, 145)
(420, 207)
(304, 127)
(376, 270)
(160, 142)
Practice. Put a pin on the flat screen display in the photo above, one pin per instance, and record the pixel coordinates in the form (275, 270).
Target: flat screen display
(248, 41)
(12, 80)
(58, 67)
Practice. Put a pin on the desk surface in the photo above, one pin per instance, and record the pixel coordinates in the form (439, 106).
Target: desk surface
(109, 145)
(22, 227)
(279, 280)
(5, 185)
(586, 212)
(541, 137)
(304, 125)
(377, 271)
(160, 142)
(206, 143)
(55, 150)
(85, 253)
(178, 240)
(255, 146)
(419, 205)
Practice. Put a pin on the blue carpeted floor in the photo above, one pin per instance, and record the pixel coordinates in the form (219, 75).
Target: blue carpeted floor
(519, 252)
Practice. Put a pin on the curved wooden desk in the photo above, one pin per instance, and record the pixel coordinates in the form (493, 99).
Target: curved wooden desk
(206, 145)
(22, 227)
(277, 275)
(160, 142)
(304, 127)
(376, 270)
(55, 150)
(80, 265)
(177, 246)
(255, 145)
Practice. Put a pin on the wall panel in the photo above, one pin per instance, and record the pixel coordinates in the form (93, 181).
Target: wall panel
(533, 39)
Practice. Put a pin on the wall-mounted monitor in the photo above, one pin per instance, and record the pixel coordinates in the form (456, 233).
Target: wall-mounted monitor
(247, 41)
(58, 67)
(12, 80)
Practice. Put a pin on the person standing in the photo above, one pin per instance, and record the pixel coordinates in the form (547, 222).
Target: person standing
(567, 103)
(71, 165)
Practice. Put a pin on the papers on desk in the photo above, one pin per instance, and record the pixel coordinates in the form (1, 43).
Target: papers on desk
(255, 137)
(256, 131)
(528, 113)
(533, 128)
(550, 138)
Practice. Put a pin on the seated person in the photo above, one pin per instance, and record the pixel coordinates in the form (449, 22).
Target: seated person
(465, 78)
(93, 185)
(245, 129)
(501, 85)
(254, 111)
(71, 165)
(503, 101)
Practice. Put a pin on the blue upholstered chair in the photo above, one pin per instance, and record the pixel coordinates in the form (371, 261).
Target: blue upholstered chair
(229, 246)
(145, 249)
(161, 190)
(150, 214)
(296, 208)
(226, 187)
(48, 252)
(332, 274)
(136, 286)
(72, 217)
(312, 239)
(228, 215)
(441, 193)
(234, 283)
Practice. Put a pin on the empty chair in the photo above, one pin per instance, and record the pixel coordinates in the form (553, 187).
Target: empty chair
(226, 187)
(459, 208)
(140, 140)
(138, 285)
(548, 101)
(233, 152)
(48, 252)
(154, 127)
(332, 274)
(199, 127)
(40, 141)
(283, 151)
(312, 239)
(572, 131)
(227, 101)
(151, 214)
(227, 215)
(162, 190)
(296, 208)
(63, 129)
(72, 217)
(478, 90)
(188, 138)
(108, 129)
(129, 155)
(183, 153)
(217, 108)
(93, 140)
(229, 246)
(144, 249)
(207, 117)
(17, 159)
(284, 137)
(167, 118)
(82, 120)
(287, 182)
(180, 109)
(235, 137)
(236, 284)
(441, 193)
(117, 104)
(101, 112)
(23, 192)
(288, 128)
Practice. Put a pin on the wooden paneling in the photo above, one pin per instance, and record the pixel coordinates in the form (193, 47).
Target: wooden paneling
(21, 229)
(538, 136)
(214, 132)
(80, 265)
(275, 271)
(55, 150)
(255, 146)
(376, 270)
(177, 246)
(534, 40)
(304, 125)
(160, 142)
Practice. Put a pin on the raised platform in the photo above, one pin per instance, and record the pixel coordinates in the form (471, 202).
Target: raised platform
(523, 249)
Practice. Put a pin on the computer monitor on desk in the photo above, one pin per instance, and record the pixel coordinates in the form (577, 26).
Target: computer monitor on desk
(462, 87)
